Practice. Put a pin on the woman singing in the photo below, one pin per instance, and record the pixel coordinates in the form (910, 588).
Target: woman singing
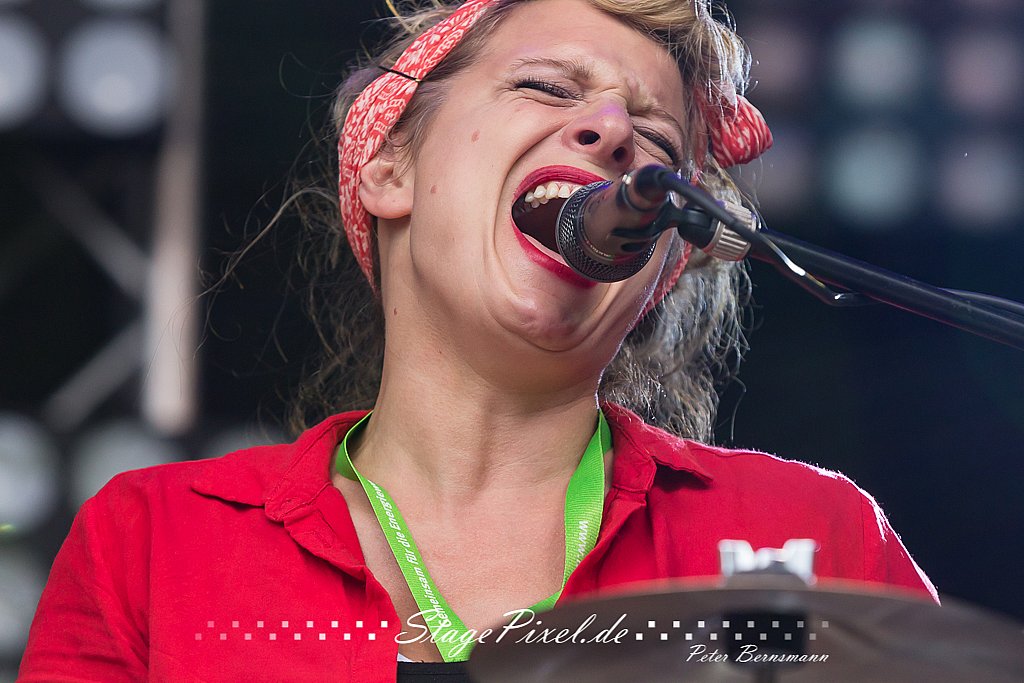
(534, 436)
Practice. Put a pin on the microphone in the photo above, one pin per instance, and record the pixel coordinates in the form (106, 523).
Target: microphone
(591, 223)
(607, 231)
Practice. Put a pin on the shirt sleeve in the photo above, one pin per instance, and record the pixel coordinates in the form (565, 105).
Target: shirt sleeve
(886, 559)
(89, 625)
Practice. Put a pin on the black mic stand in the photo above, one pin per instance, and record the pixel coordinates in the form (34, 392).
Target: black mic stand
(898, 290)
(979, 314)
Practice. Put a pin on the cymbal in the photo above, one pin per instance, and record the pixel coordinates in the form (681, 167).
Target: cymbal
(756, 628)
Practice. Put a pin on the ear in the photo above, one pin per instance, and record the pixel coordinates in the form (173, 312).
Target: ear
(386, 186)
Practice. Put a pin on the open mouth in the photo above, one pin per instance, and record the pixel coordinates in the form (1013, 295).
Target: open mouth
(535, 212)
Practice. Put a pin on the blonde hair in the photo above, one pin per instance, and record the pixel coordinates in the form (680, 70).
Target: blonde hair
(670, 365)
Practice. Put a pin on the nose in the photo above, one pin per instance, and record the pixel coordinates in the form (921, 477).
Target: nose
(604, 134)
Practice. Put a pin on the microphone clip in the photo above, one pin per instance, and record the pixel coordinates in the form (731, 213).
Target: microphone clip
(699, 228)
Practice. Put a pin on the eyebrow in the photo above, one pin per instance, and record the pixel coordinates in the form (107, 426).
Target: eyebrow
(580, 71)
(574, 68)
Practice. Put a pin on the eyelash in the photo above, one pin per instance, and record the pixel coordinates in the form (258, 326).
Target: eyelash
(546, 87)
(662, 143)
(558, 91)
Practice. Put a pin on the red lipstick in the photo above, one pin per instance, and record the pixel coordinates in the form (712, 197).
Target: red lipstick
(544, 260)
(548, 173)
(544, 257)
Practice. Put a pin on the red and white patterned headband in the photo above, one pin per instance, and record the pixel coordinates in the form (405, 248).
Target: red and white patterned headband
(739, 135)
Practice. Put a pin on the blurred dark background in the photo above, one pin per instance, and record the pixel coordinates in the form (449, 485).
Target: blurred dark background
(898, 127)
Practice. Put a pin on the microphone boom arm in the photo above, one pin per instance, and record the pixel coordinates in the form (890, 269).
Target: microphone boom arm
(900, 291)
(862, 279)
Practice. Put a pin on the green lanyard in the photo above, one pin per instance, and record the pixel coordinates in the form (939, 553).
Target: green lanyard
(584, 500)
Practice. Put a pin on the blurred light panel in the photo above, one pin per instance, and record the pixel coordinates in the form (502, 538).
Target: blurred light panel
(874, 176)
(23, 69)
(880, 63)
(28, 475)
(114, 77)
(984, 72)
(784, 59)
(981, 183)
(121, 5)
(995, 6)
(111, 449)
(22, 579)
(784, 177)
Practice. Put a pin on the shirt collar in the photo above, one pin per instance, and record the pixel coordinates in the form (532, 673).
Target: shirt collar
(285, 477)
(640, 448)
(281, 478)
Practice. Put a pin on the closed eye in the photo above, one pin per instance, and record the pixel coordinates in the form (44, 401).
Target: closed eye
(663, 144)
(546, 87)
(557, 91)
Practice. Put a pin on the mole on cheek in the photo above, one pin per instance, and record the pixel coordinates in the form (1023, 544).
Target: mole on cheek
(475, 136)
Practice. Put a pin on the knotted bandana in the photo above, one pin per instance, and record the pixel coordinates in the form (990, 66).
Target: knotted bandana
(739, 135)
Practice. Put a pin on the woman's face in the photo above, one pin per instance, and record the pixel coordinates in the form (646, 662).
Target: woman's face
(563, 95)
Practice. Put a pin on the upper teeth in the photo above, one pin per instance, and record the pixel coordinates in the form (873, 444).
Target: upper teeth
(543, 193)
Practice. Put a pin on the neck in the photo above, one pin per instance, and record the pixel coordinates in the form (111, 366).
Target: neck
(458, 439)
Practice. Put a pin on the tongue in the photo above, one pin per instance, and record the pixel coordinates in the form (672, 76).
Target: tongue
(539, 223)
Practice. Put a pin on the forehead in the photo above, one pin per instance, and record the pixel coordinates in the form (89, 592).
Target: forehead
(607, 50)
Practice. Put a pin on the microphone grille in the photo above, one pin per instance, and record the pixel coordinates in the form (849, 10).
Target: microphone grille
(573, 243)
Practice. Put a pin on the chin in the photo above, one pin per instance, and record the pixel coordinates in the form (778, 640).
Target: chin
(559, 327)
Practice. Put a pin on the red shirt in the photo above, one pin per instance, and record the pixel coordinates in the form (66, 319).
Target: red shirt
(248, 567)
